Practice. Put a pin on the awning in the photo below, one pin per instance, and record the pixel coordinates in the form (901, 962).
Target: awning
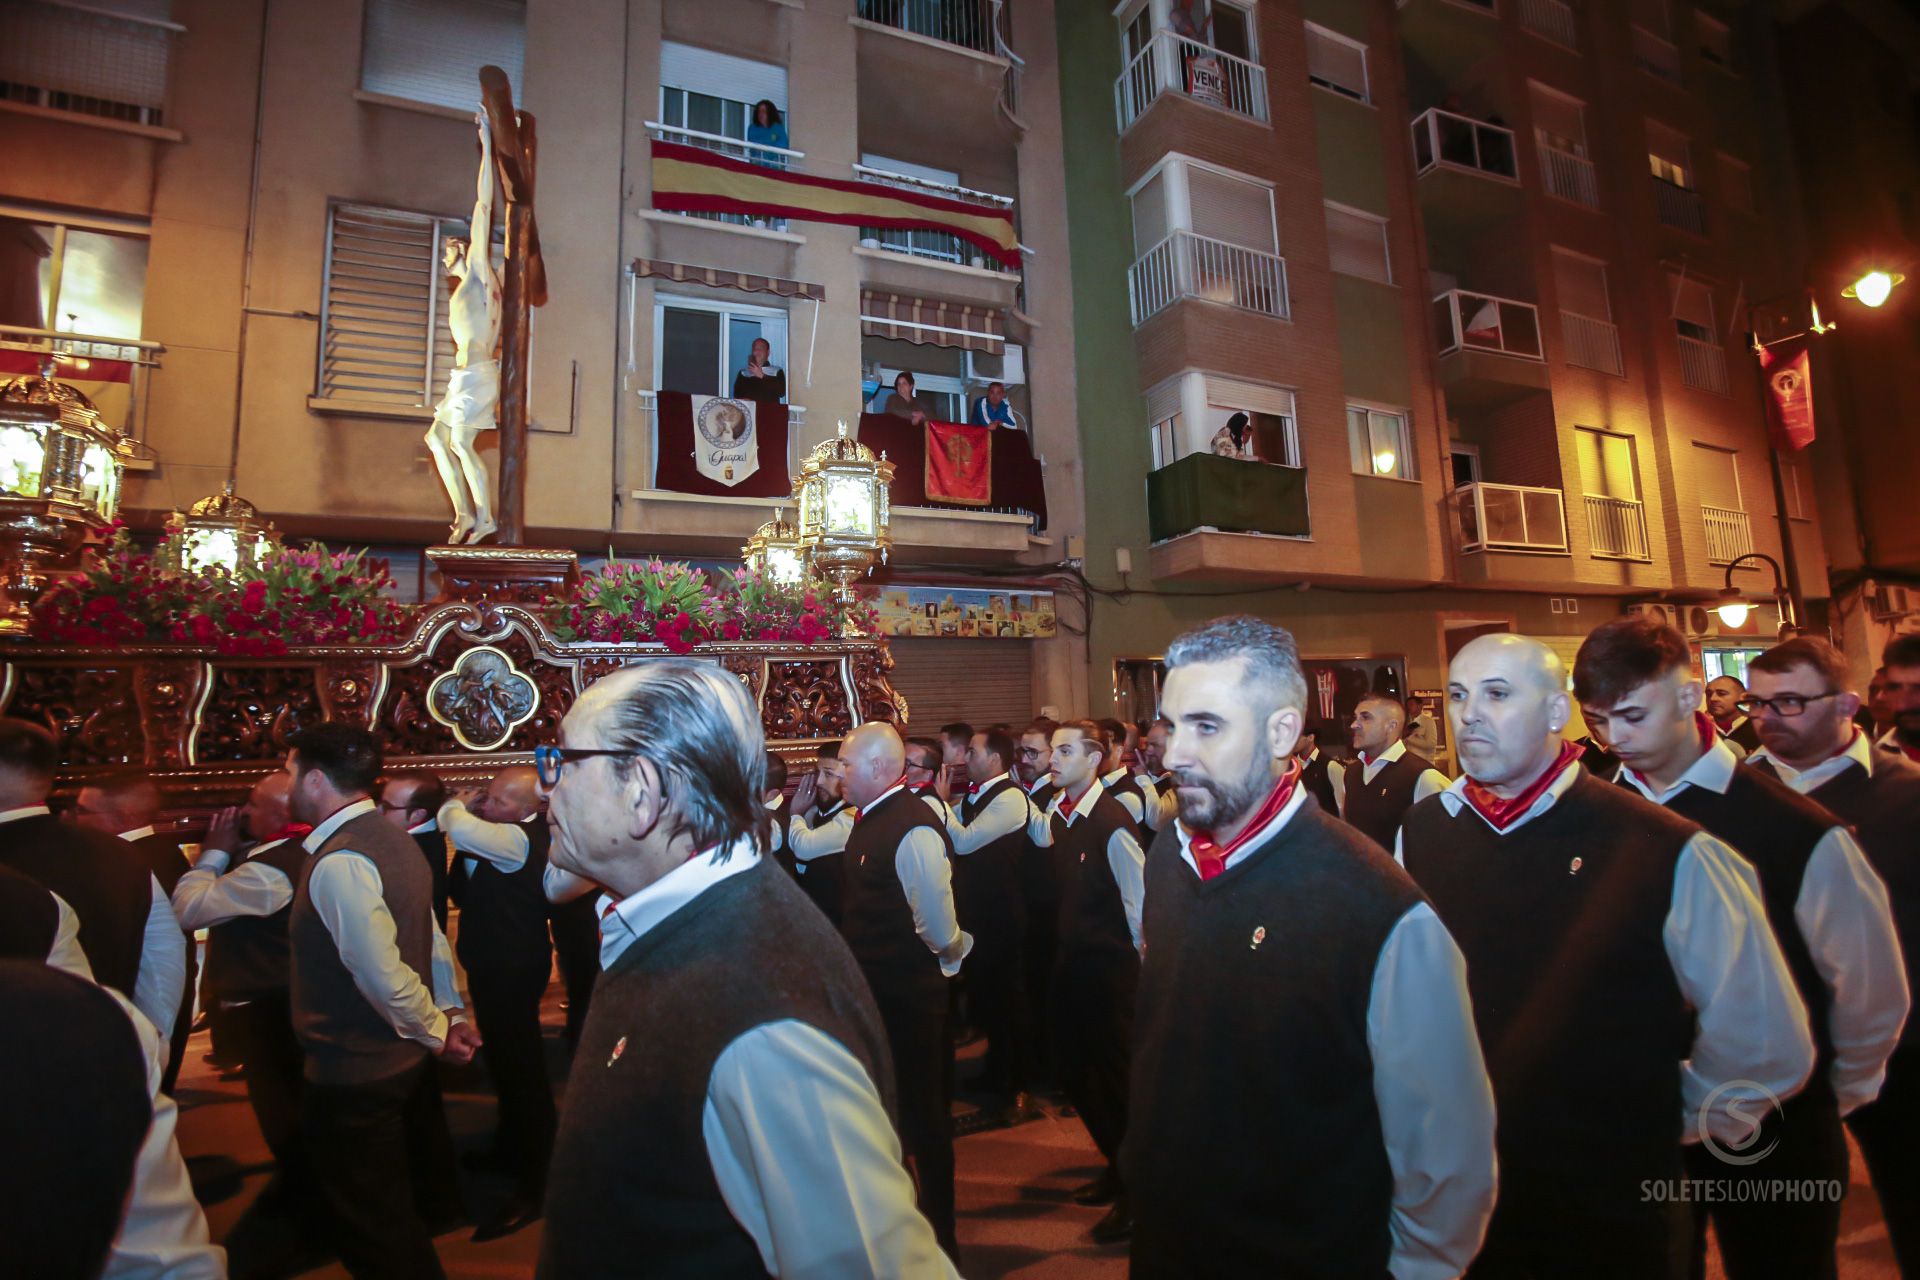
(715, 278)
(939, 324)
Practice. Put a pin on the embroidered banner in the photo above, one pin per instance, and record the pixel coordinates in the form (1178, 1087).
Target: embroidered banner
(726, 449)
(960, 464)
(1789, 372)
(683, 452)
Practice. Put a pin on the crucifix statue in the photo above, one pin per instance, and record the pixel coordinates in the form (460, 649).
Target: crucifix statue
(488, 309)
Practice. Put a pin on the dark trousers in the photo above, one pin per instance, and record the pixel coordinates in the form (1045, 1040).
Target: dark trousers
(997, 990)
(1535, 1240)
(506, 1008)
(1888, 1131)
(360, 1145)
(920, 1042)
(576, 945)
(182, 1022)
(1039, 948)
(262, 1033)
(1777, 1236)
(1093, 1041)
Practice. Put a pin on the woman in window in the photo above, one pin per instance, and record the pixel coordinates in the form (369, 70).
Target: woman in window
(770, 130)
(901, 405)
(761, 379)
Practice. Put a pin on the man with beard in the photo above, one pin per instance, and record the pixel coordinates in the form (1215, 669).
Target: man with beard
(817, 833)
(1729, 721)
(1801, 704)
(1626, 986)
(1118, 778)
(1308, 1095)
(1901, 661)
(1828, 910)
(1156, 785)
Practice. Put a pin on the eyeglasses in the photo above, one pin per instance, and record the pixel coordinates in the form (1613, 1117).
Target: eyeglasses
(1786, 706)
(549, 760)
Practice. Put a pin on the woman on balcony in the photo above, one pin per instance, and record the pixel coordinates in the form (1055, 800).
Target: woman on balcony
(761, 380)
(767, 129)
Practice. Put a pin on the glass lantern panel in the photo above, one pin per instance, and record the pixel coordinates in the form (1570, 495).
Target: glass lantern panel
(23, 457)
(785, 566)
(97, 480)
(849, 507)
(205, 549)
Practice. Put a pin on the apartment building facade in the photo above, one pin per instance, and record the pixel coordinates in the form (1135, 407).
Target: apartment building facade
(250, 199)
(1478, 275)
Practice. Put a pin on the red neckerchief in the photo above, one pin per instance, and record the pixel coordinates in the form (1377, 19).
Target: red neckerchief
(1211, 858)
(1708, 730)
(1364, 761)
(292, 831)
(1502, 814)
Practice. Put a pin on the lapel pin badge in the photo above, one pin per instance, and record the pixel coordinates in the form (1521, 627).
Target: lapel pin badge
(619, 1047)
(1573, 868)
(1259, 936)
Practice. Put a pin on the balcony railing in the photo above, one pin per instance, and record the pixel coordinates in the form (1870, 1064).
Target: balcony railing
(1591, 343)
(1510, 517)
(753, 153)
(1729, 536)
(940, 246)
(78, 58)
(1482, 322)
(1228, 495)
(1553, 20)
(1443, 139)
(1679, 207)
(967, 23)
(1703, 365)
(1569, 176)
(1656, 56)
(1617, 528)
(1185, 265)
(1174, 64)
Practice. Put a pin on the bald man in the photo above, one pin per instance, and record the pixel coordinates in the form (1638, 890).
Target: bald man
(1375, 792)
(500, 839)
(1723, 704)
(900, 924)
(243, 900)
(1628, 992)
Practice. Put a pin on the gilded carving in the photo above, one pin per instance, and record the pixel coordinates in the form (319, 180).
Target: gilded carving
(483, 698)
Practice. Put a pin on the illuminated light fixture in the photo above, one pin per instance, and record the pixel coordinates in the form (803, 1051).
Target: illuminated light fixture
(844, 510)
(1734, 609)
(774, 551)
(1383, 462)
(1873, 288)
(221, 534)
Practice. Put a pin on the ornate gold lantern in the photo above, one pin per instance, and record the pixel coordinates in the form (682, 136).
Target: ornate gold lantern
(223, 533)
(60, 469)
(844, 513)
(774, 551)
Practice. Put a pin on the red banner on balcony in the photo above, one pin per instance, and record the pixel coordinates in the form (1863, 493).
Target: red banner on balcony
(677, 469)
(693, 180)
(960, 464)
(1789, 369)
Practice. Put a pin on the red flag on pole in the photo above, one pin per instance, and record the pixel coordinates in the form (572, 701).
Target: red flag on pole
(959, 463)
(1789, 372)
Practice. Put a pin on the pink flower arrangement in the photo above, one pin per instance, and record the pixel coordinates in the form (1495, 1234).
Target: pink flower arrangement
(677, 606)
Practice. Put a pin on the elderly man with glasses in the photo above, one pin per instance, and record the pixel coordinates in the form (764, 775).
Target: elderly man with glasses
(729, 1110)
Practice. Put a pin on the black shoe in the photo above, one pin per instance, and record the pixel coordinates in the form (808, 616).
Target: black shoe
(1116, 1226)
(518, 1212)
(1104, 1189)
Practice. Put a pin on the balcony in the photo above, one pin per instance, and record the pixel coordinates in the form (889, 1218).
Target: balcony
(1729, 536)
(1204, 493)
(736, 149)
(1656, 56)
(1174, 64)
(934, 246)
(1553, 20)
(86, 61)
(1679, 207)
(1510, 517)
(1569, 175)
(1591, 343)
(1703, 365)
(1442, 139)
(1445, 40)
(1617, 528)
(943, 61)
(1185, 265)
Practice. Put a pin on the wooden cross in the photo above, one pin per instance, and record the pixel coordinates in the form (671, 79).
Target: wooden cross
(524, 287)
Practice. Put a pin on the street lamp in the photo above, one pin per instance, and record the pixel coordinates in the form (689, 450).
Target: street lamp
(1873, 288)
(844, 513)
(1734, 608)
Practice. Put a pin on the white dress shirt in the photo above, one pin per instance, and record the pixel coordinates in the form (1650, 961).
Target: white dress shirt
(210, 894)
(777, 839)
(347, 892)
(1162, 805)
(506, 845)
(1006, 813)
(830, 837)
(1431, 782)
(1125, 858)
(1844, 917)
(1859, 751)
(1128, 801)
(1749, 1021)
(1429, 1085)
(800, 1145)
(927, 879)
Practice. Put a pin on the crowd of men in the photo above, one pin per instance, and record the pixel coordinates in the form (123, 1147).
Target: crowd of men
(1674, 960)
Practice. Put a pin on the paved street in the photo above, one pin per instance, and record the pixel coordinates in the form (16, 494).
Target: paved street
(1016, 1220)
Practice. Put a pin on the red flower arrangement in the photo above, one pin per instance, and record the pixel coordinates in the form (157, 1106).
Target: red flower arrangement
(674, 604)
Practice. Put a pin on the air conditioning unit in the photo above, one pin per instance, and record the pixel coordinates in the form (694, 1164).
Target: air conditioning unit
(1890, 602)
(1697, 621)
(1010, 368)
(1659, 610)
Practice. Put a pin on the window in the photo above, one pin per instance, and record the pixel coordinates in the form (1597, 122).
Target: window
(941, 245)
(1151, 222)
(432, 50)
(1337, 63)
(87, 59)
(700, 344)
(1716, 42)
(1379, 443)
(1233, 31)
(942, 395)
(1166, 441)
(1693, 309)
(1717, 473)
(1193, 413)
(1138, 33)
(1668, 155)
(715, 92)
(1222, 207)
(1357, 243)
(383, 311)
(72, 275)
(1606, 465)
(1559, 121)
(1581, 284)
(1736, 183)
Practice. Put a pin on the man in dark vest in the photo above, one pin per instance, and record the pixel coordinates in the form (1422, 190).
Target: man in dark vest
(1723, 695)
(730, 1110)
(500, 840)
(988, 828)
(1900, 683)
(373, 1004)
(243, 901)
(1828, 910)
(127, 927)
(1096, 846)
(1149, 771)
(901, 926)
(928, 777)
(1626, 986)
(1800, 701)
(1040, 886)
(773, 798)
(1304, 1036)
(817, 833)
(411, 801)
(1314, 777)
(1376, 790)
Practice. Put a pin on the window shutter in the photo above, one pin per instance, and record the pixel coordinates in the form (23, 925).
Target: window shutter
(1718, 482)
(432, 50)
(1164, 400)
(379, 325)
(1606, 464)
(1559, 120)
(85, 51)
(979, 681)
(1669, 148)
(1150, 215)
(1255, 397)
(1336, 63)
(721, 75)
(1692, 301)
(1230, 209)
(1357, 245)
(1582, 286)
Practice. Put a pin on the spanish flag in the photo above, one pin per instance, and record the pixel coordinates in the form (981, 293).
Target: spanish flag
(693, 180)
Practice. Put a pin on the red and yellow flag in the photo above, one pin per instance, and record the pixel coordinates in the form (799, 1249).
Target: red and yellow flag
(960, 464)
